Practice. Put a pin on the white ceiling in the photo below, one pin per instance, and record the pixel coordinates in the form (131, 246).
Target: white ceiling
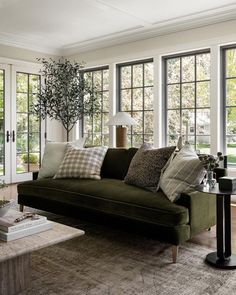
(69, 26)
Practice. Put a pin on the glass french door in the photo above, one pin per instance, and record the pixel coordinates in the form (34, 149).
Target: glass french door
(21, 138)
(5, 109)
(26, 126)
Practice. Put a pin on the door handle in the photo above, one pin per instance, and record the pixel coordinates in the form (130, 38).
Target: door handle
(8, 136)
(13, 135)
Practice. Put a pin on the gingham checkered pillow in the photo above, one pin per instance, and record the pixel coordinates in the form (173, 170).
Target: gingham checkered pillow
(82, 163)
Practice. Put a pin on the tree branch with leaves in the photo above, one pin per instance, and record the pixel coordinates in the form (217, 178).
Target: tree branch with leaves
(65, 95)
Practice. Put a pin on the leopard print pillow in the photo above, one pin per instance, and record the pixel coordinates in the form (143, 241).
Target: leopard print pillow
(146, 165)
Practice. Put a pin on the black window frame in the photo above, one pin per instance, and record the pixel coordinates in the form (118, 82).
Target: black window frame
(195, 81)
(119, 89)
(28, 113)
(92, 70)
(223, 93)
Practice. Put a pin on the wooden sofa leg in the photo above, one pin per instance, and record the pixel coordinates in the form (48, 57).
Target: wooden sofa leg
(21, 208)
(175, 253)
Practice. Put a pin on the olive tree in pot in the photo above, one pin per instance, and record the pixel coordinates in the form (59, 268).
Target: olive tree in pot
(65, 95)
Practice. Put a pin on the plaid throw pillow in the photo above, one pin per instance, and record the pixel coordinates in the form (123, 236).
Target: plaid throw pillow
(82, 163)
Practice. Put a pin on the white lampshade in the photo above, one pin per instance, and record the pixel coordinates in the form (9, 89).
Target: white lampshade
(120, 119)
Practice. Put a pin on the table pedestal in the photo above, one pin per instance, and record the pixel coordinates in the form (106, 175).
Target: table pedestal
(15, 275)
(223, 258)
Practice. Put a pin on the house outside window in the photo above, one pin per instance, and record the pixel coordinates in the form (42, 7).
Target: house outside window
(94, 127)
(135, 96)
(187, 99)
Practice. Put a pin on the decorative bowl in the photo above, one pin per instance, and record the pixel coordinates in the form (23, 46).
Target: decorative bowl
(4, 207)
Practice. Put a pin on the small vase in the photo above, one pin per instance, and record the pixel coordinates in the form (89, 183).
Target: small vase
(210, 179)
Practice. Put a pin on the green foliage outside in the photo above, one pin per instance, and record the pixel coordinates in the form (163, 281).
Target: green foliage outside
(31, 158)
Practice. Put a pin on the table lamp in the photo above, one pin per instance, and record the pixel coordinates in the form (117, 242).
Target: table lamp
(121, 120)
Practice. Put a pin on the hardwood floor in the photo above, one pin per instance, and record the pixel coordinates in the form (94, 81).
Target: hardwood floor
(206, 238)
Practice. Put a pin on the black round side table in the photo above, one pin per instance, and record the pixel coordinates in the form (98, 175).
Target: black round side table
(223, 258)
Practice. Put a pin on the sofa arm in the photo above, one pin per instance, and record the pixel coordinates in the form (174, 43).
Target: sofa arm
(202, 210)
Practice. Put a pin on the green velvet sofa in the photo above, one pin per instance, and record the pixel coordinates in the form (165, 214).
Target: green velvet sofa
(173, 223)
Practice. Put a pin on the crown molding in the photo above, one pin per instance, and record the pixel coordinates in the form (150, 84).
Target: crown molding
(196, 20)
(191, 21)
(19, 41)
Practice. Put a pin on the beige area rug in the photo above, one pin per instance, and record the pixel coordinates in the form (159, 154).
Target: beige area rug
(109, 261)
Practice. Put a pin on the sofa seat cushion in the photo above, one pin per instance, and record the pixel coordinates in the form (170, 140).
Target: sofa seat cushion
(111, 196)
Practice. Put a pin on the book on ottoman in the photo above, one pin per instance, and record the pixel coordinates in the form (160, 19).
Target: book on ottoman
(8, 224)
(7, 237)
(15, 225)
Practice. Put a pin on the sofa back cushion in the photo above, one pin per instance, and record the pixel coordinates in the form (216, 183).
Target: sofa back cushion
(116, 162)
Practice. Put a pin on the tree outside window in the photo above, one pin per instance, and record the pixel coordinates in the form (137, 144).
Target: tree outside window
(94, 127)
(136, 97)
(187, 99)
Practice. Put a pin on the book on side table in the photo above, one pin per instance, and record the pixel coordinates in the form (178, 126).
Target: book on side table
(15, 225)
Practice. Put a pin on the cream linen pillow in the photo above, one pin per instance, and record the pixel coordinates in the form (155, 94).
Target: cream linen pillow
(182, 174)
(54, 153)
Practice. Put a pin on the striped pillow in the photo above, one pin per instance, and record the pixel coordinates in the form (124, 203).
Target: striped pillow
(82, 163)
(183, 174)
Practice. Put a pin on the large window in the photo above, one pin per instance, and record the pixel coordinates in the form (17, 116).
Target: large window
(229, 95)
(187, 99)
(94, 127)
(28, 124)
(135, 86)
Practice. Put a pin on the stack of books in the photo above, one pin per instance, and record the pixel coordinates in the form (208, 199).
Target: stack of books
(15, 225)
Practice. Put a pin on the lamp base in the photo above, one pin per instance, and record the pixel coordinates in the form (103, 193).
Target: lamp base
(121, 137)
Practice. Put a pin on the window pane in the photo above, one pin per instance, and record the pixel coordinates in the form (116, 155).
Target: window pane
(138, 116)
(173, 122)
(188, 73)
(203, 66)
(173, 96)
(148, 74)
(231, 149)
(97, 123)
(203, 94)
(33, 142)
(137, 99)
(97, 80)
(230, 63)
(137, 75)
(137, 140)
(126, 77)
(105, 80)
(1, 80)
(22, 123)
(105, 102)
(188, 95)
(21, 82)
(173, 70)
(22, 102)
(231, 92)
(231, 121)
(34, 83)
(126, 100)
(148, 122)
(203, 122)
(22, 142)
(188, 123)
(148, 98)
(203, 144)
